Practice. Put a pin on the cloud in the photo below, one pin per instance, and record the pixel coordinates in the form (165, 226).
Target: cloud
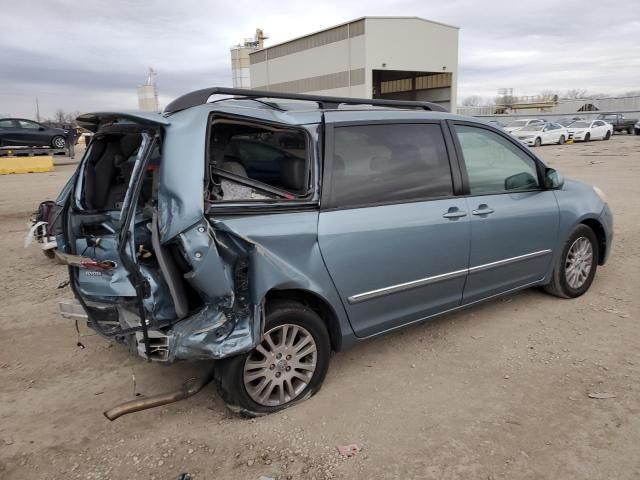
(92, 55)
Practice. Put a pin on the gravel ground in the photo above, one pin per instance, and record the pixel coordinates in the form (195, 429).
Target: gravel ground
(497, 392)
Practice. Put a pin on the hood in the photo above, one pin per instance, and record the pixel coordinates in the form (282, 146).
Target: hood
(93, 121)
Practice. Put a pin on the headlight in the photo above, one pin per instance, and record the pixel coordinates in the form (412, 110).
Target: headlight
(600, 194)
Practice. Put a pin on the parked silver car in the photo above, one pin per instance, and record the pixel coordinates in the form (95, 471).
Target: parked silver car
(266, 230)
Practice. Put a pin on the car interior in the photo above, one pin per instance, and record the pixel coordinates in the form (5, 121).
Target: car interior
(110, 161)
(256, 162)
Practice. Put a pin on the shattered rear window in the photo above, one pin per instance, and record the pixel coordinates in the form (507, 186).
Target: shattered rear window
(255, 162)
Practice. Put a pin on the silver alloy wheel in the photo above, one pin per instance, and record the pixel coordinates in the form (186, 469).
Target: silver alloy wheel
(58, 142)
(281, 367)
(578, 262)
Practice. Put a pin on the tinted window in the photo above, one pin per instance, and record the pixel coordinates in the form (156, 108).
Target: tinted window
(494, 164)
(25, 124)
(6, 123)
(388, 163)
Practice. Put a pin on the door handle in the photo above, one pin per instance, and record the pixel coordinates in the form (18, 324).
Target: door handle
(454, 213)
(483, 209)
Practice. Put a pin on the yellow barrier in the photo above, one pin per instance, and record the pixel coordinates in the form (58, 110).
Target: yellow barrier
(26, 164)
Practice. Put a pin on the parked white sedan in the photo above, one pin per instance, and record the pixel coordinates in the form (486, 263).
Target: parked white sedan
(542, 134)
(520, 124)
(585, 130)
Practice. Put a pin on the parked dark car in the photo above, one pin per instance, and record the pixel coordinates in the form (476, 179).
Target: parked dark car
(20, 132)
(620, 124)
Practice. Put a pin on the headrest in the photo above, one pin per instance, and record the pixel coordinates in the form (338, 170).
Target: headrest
(235, 168)
(293, 175)
(129, 144)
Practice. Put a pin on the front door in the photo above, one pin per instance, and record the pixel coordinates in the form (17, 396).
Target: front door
(393, 236)
(514, 220)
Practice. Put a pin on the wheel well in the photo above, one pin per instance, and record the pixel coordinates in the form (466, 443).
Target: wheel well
(315, 303)
(598, 229)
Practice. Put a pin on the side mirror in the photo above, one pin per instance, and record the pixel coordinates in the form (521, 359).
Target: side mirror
(553, 179)
(41, 129)
(520, 181)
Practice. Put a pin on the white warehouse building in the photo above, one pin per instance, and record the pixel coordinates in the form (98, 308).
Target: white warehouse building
(404, 58)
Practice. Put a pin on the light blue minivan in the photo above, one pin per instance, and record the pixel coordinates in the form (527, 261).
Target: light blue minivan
(265, 230)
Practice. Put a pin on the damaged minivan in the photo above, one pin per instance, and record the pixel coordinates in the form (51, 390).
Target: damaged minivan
(265, 230)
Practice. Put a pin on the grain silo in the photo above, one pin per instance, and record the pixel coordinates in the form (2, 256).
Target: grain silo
(148, 94)
(240, 59)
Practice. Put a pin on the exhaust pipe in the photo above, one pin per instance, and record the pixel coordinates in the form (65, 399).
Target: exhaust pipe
(188, 389)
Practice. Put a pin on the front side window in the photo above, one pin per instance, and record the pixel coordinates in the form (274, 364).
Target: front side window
(375, 164)
(30, 125)
(494, 164)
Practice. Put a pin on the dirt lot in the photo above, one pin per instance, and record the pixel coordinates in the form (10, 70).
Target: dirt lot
(500, 391)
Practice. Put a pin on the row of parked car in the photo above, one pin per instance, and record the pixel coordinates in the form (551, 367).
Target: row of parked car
(537, 131)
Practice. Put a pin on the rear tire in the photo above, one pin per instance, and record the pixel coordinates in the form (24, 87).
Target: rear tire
(630, 131)
(574, 271)
(58, 142)
(235, 376)
(607, 135)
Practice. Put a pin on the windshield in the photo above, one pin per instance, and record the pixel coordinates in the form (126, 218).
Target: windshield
(533, 128)
(580, 124)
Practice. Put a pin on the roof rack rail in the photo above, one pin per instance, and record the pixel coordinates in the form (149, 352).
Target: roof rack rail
(200, 97)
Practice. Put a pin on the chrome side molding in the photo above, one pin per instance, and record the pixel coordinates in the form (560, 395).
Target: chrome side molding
(361, 297)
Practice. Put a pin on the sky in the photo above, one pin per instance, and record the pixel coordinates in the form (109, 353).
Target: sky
(91, 55)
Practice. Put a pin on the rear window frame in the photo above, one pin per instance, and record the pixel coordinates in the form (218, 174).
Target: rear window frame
(264, 205)
(329, 144)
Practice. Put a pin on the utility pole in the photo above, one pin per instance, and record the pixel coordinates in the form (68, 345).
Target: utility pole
(37, 110)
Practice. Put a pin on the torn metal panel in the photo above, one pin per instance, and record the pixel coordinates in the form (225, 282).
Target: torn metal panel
(181, 183)
(210, 276)
(215, 333)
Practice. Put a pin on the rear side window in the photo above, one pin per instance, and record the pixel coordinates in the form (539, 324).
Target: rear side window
(375, 164)
(250, 161)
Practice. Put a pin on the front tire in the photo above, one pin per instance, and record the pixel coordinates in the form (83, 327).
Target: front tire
(587, 137)
(537, 142)
(287, 367)
(561, 140)
(576, 267)
(607, 135)
(58, 142)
